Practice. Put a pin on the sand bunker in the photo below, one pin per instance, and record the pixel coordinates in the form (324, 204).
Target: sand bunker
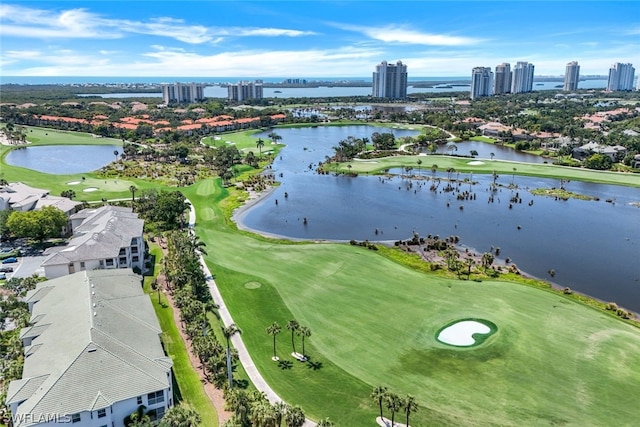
(90, 189)
(461, 333)
(73, 183)
(476, 163)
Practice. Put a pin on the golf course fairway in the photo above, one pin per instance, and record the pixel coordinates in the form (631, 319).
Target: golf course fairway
(374, 322)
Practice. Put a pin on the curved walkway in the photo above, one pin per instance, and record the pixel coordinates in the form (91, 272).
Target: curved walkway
(236, 340)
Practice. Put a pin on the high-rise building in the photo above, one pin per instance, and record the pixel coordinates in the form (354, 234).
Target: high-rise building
(182, 93)
(390, 80)
(245, 90)
(571, 76)
(621, 77)
(481, 82)
(522, 77)
(502, 79)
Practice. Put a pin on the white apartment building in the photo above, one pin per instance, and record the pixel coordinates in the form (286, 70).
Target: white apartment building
(502, 79)
(390, 80)
(571, 76)
(182, 93)
(104, 238)
(481, 82)
(93, 354)
(621, 77)
(245, 90)
(522, 77)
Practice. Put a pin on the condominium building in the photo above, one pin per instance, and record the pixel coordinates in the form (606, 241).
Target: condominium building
(522, 77)
(92, 354)
(182, 93)
(245, 90)
(621, 77)
(502, 79)
(481, 82)
(571, 76)
(390, 80)
(104, 238)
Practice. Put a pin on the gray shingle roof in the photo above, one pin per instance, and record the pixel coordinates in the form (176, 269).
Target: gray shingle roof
(101, 345)
(103, 232)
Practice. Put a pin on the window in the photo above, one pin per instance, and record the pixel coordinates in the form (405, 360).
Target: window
(123, 260)
(75, 418)
(101, 263)
(102, 413)
(135, 259)
(134, 250)
(123, 251)
(156, 414)
(156, 397)
(110, 263)
(82, 265)
(139, 400)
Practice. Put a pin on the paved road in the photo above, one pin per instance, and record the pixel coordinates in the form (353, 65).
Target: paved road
(27, 266)
(236, 340)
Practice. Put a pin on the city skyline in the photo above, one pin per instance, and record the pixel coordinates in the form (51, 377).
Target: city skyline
(311, 38)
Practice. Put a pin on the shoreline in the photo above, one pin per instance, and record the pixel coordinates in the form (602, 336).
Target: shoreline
(239, 213)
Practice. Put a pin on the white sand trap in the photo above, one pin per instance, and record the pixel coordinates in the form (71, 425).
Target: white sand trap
(476, 163)
(216, 138)
(461, 333)
(90, 189)
(73, 183)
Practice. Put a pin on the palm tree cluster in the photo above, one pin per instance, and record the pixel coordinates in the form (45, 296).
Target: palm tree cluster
(14, 134)
(296, 329)
(394, 403)
(252, 408)
(188, 285)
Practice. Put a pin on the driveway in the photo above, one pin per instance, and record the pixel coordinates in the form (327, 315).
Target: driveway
(26, 266)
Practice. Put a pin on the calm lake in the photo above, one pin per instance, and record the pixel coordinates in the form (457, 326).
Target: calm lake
(63, 159)
(593, 246)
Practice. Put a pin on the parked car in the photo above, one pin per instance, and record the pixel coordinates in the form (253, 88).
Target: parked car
(10, 260)
(3, 276)
(6, 270)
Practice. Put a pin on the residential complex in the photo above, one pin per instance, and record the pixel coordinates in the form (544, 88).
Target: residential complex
(20, 197)
(522, 78)
(390, 80)
(502, 79)
(182, 93)
(571, 76)
(245, 90)
(109, 237)
(92, 353)
(621, 77)
(481, 82)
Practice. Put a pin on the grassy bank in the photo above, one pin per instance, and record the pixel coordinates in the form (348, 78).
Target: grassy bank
(374, 323)
(189, 387)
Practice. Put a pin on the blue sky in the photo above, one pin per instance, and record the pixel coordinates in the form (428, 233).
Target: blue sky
(311, 38)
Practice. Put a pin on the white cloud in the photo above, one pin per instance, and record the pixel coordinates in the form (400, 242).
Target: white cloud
(27, 22)
(400, 34)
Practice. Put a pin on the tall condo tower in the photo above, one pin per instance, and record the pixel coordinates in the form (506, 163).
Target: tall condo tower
(503, 79)
(522, 77)
(182, 93)
(481, 82)
(571, 76)
(390, 81)
(245, 90)
(621, 77)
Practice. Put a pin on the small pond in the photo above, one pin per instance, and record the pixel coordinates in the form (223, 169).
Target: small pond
(63, 159)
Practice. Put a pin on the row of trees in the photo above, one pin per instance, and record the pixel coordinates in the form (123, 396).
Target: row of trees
(252, 408)
(394, 403)
(296, 329)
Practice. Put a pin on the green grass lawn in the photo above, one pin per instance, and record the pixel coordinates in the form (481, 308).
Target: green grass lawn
(552, 361)
(190, 389)
(486, 166)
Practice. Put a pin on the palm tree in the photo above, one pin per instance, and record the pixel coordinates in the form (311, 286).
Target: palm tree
(294, 417)
(180, 416)
(379, 395)
(280, 409)
(304, 332)
(115, 153)
(409, 405)
(228, 332)
(419, 162)
(434, 169)
(492, 155)
(325, 423)
(274, 330)
(394, 405)
(293, 326)
(259, 145)
(133, 190)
